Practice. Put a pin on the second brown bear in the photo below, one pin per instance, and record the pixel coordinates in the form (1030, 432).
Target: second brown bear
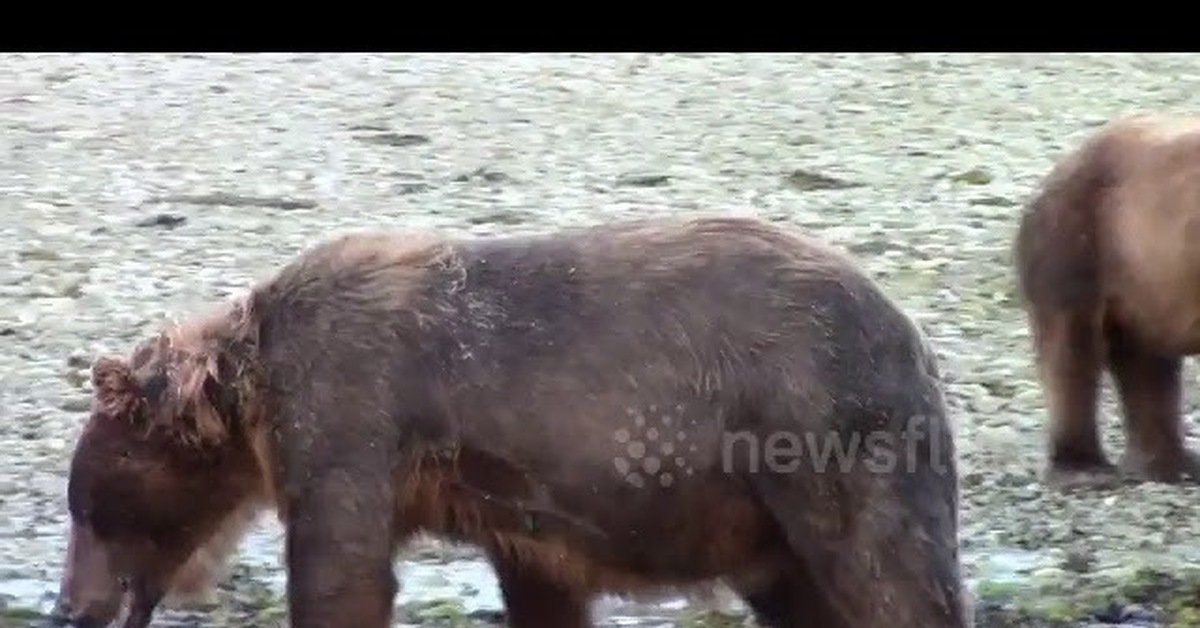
(1108, 264)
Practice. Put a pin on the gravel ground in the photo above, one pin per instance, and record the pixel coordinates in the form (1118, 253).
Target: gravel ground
(142, 187)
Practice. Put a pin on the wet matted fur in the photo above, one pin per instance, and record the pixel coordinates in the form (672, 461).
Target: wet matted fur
(563, 401)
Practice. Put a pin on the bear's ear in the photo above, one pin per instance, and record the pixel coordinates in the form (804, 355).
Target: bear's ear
(115, 393)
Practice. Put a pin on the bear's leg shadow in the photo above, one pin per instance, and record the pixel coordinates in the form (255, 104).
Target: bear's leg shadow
(790, 599)
(340, 540)
(534, 599)
(1068, 352)
(1150, 390)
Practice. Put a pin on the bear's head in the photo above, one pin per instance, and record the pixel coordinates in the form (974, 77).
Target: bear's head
(164, 477)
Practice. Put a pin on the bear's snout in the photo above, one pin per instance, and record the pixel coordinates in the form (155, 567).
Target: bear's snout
(89, 596)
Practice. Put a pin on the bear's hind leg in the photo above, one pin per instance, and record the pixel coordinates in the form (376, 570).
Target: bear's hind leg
(534, 599)
(1067, 349)
(1149, 387)
(339, 552)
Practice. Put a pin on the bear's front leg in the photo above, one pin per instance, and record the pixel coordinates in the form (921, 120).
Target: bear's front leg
(339, 548)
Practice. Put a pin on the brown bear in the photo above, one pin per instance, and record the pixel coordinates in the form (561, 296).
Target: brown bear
(613, 409)
(1108, 268)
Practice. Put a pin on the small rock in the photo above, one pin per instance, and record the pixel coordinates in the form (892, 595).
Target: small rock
(56, 78)
(995, 201)
(807, 181)
(76, 404)
(869, 246)
(1138, 615)
(1126, 616)
(236, 200)
(39, 255)
(412, 188)
(493, 617)
(801, 140)
(643, 180)
(369, 127)
(393, 139)
(483, 173)
(72, 289)
(1078, 561)
(77, 378)
(974, 176)
(168, 221)
(79, 361)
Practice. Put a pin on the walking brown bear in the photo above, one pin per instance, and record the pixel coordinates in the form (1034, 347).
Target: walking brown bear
(1108, 264)
(560, 401)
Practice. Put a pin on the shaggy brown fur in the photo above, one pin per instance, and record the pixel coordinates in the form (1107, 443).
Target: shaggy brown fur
(1109, 272)
(382, 386)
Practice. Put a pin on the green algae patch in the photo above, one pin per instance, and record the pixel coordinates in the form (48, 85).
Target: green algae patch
(14, 616)
(1145, 596)
(711, 619)
(439, 612)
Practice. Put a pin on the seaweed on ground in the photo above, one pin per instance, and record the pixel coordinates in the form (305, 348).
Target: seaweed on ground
(1146, 597)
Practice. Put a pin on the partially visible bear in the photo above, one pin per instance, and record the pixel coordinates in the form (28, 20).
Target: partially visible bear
(1108, 264)
(602, 409)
